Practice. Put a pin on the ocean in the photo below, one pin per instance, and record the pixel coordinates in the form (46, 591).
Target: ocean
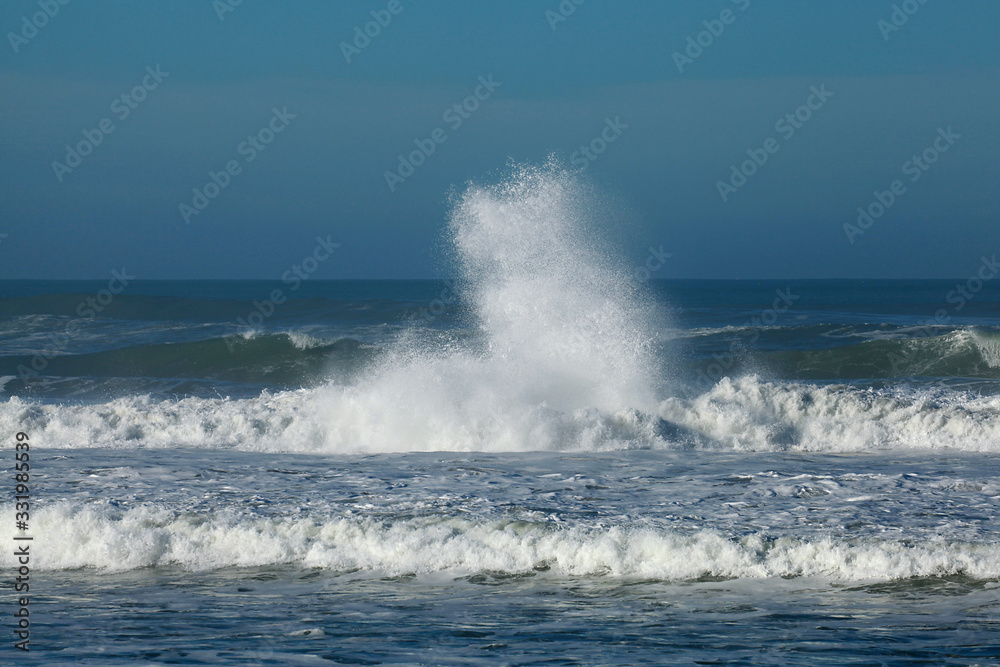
(553, 458)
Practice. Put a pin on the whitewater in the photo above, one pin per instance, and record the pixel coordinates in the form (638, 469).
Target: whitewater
(562, 459)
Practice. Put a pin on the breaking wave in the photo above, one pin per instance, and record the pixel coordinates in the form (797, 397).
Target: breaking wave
(109, 538)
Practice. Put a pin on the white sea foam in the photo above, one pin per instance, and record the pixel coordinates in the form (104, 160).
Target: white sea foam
(988, 346)
(417, 411)
(750, 414)
(305, 341)
(100, 536)
(283, 421)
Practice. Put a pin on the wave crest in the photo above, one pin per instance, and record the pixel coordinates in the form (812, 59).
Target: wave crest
(108, 538)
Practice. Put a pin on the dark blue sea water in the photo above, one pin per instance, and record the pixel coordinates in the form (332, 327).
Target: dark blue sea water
(543, 461)
(202, 338)
(815, 481)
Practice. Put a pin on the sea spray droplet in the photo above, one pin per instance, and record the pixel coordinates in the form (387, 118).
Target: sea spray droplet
(555, 308)
(566, 338)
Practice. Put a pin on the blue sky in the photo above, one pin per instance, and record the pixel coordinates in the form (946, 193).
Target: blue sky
(893, 91)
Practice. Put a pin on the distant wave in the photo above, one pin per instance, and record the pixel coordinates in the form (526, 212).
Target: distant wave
(41, 309)
(838, 352)
(289, 359)
(109, 538)
(968, 352)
